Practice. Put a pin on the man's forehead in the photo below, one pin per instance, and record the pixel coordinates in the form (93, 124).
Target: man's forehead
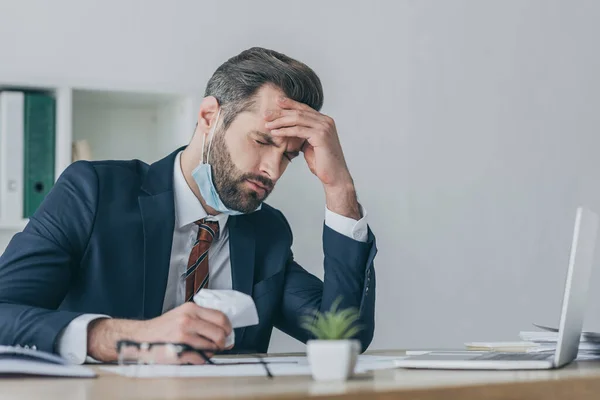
(266, 98)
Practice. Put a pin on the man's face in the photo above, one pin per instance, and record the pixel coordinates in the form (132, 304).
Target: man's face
(247, 161)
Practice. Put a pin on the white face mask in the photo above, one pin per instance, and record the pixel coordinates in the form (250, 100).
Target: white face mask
(202, 175)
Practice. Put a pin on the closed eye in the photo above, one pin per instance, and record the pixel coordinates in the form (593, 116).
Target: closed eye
(289, 155)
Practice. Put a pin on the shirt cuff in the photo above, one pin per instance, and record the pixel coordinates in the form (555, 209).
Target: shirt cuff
(72, 341)
(357, 230)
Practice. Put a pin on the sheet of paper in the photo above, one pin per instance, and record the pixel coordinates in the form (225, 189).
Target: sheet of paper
(279, 366)
(502, 346)
(40, 368)
(587, 335)
(552, 337)
(587, 356)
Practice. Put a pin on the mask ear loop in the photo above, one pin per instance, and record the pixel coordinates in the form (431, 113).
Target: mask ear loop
(203, 140)
(211, 134)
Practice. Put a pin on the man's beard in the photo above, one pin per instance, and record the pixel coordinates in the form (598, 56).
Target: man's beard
(230, 181)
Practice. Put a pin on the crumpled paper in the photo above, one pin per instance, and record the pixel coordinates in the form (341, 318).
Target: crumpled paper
(237, 306)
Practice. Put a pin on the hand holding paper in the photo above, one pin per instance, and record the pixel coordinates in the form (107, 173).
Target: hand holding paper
(237, 306)
(189, 324)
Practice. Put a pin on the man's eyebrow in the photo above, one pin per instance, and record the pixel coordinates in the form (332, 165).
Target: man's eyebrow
(267, 137)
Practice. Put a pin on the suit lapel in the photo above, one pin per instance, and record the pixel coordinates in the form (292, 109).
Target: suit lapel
(158, 217)
(242, 251)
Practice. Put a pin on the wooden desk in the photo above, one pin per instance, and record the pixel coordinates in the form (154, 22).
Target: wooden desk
(580, 380)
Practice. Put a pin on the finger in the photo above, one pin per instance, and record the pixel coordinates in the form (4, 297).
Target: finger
(287, 103)
(273, 114)
(215, 317)
(205, 349)
(309, 156)
(306, 147)
(208, 330)
(199, 342)
(294, 131)
(292, 118)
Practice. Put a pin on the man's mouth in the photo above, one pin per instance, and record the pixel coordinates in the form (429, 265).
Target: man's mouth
(257, 186)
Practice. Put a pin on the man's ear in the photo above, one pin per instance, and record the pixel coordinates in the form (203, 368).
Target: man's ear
(207, 114)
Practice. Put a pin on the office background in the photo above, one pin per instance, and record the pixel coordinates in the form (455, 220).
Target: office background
(471, 129)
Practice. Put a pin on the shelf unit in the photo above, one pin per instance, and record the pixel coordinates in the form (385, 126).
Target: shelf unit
(117, 124)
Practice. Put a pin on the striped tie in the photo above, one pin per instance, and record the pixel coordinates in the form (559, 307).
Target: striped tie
(196, 276)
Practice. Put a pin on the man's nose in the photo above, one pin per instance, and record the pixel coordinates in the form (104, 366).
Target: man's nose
(271, 166)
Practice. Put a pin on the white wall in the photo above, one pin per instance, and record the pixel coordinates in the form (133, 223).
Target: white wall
(470, 128)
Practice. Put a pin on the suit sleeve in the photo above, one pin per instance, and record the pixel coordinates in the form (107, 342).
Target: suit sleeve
(39, 263)
(349, 273)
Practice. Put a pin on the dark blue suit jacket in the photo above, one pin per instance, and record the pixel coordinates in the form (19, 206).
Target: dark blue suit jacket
(101, 243)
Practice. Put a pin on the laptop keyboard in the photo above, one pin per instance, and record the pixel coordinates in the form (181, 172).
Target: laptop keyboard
(513, 356)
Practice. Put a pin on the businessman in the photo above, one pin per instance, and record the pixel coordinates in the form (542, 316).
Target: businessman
(118, 248)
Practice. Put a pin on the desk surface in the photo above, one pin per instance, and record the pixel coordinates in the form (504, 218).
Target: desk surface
(580, 380)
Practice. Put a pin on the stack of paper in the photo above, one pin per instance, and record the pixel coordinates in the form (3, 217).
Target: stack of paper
(542, 341)
(589, 345)
(505, 347)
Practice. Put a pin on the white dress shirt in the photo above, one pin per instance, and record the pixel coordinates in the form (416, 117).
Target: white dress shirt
(72, 342)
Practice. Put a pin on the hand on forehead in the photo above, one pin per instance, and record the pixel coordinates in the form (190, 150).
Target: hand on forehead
(267, 108)
(286, 112)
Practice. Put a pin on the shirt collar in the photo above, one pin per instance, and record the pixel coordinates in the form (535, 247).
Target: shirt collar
(187, 207)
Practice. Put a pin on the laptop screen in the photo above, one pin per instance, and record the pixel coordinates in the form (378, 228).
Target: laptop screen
(576, 287)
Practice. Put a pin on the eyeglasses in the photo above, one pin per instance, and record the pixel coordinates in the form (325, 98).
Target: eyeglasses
(149, 353)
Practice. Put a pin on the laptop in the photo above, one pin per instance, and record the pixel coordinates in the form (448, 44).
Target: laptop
(571, 318)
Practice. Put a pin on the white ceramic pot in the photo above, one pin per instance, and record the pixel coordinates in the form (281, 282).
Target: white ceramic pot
(332, 360)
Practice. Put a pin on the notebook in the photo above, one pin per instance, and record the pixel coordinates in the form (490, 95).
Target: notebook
(22, 361)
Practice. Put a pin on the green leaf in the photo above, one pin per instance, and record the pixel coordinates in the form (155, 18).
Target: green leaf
(333, 324)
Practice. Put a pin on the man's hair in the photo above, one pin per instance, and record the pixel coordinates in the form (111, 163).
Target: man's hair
(235, 83)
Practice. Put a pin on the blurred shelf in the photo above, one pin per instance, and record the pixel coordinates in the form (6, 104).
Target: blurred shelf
(115, 123)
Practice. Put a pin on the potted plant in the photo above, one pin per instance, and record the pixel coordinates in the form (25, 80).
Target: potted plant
(333, 353)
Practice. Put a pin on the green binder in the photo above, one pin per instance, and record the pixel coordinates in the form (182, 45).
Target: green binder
(39, 143)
